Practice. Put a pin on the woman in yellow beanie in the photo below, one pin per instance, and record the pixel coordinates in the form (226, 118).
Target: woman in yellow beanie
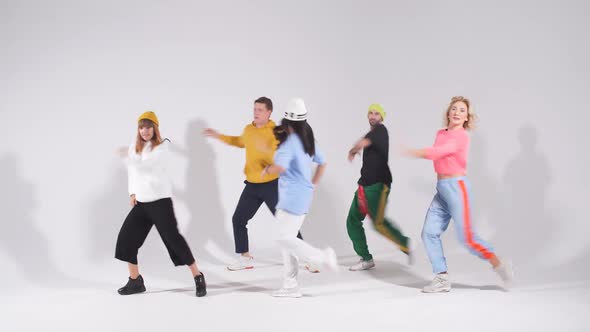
(150, 195)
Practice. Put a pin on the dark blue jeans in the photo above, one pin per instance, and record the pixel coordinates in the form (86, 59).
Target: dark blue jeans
(253, 195)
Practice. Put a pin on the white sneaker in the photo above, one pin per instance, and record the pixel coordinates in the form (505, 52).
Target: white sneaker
(288, 292)
(312, 268)
(242, 263)
(506, 273)
(362, 265)
(331, 260)
(439, 284)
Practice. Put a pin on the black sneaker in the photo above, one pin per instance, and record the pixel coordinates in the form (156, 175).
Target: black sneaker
(133, 286)
(201, 285)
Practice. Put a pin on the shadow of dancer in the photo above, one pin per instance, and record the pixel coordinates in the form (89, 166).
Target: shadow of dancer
(526, 225)
(20, 238)
(326, 225)
(107, 212)
(206, 232)
(487, 208)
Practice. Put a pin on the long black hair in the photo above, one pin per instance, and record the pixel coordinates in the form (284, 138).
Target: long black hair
(280, 133)
(301, 129)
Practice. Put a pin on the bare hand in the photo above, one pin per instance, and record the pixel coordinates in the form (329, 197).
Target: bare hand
(402, 150)
(351, 155)
(410, 153)
(264, 171)
(132, 200)
(123, 151)
(211, 133)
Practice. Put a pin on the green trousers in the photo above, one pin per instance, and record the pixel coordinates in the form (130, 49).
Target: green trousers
(372, 200)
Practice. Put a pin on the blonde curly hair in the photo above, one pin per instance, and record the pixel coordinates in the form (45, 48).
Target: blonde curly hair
(471, 117)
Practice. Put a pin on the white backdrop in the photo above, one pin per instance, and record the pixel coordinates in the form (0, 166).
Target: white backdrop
(76, 74)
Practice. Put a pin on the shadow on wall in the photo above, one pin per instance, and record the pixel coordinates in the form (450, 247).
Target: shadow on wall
(526, 226)
(206, 232)
(529, 225)
(485, 203)
(107, 213)
(325, 225)
(20, 238)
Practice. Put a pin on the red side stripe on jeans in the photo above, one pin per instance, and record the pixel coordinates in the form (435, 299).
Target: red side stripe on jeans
(467, 225)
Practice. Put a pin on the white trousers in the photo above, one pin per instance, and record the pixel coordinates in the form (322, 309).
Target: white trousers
(293, 248)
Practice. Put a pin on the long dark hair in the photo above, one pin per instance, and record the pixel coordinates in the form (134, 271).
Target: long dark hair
(280, 133)
(305, 133)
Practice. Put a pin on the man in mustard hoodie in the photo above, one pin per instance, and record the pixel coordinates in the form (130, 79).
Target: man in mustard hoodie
(260, 144)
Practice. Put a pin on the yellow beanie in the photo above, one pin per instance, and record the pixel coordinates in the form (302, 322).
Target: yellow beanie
(149, 116)
(378, 108)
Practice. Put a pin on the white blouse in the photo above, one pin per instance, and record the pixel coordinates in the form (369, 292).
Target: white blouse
(148, 177)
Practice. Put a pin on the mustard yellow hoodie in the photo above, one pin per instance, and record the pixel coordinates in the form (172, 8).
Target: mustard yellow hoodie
(260, 144)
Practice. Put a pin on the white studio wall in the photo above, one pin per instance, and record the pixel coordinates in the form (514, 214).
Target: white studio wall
(75, 76)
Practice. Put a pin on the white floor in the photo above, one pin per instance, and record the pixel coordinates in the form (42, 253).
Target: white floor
(387, 298)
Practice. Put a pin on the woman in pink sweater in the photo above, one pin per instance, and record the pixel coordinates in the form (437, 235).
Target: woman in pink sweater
(452, 198)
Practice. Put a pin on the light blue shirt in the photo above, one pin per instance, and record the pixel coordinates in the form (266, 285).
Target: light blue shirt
(295, 187)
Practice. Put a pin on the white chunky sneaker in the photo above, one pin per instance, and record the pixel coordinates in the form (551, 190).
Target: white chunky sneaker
(506, 273)
(288, 292)
(331, 260)
(242, 263)
(439, 284)
(362, 265)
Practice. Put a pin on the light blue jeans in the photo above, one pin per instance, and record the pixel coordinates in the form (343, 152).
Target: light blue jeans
(452, 201)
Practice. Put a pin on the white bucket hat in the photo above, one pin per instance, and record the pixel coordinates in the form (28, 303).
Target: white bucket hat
(296, 110)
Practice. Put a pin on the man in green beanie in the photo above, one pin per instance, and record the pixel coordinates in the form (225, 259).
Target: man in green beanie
(373, 190)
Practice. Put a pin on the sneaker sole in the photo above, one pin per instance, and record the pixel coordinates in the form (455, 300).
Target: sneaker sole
(138, 292)
(245, 268)
(372, 267)
(438, 291)
(293, 296)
